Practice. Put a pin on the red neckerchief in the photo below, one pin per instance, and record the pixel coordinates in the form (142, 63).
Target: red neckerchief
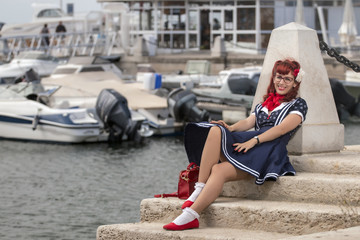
(272, 101)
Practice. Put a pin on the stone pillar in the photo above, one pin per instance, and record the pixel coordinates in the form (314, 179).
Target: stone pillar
(321, 131)
(218, 50)
(140, 48)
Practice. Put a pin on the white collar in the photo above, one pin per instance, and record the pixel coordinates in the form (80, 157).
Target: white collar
(266, 110)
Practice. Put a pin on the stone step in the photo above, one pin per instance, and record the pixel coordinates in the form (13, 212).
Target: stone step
(342, 190)
(269, 216)
(346, 161)
(154, 231)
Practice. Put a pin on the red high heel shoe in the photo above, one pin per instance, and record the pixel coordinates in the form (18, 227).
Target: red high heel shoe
(173, 227)
(186, 204)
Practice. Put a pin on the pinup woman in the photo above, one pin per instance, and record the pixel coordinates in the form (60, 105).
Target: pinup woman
(229, 153)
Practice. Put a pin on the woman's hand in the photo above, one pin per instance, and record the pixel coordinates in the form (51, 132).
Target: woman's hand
(222, 123)
(245, 146)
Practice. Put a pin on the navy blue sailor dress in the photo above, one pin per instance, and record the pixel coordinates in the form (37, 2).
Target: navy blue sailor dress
(265, 161)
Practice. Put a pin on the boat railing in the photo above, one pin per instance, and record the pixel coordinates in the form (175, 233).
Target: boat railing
(62, 44)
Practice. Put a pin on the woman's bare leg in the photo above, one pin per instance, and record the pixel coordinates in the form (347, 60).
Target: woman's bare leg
(211, 154)
(220, 173)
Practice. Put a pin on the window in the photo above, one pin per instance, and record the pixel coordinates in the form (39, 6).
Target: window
(193, 20)
(246, 3)
(228, 19)
(143, 19)
(64, 70)
(172, 19)
(267, 18)
(92, 69)
(50, 13)
(246, 19)
(193, 41)
(246, 41)
(179, 41)
(216, 22)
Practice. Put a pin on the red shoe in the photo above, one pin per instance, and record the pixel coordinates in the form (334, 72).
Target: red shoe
(173, 227)
(186, 204)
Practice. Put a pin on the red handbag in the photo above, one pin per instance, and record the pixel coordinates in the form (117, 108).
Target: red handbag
(186, 185)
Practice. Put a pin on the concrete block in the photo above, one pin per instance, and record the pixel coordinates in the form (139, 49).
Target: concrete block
(154, 231)
(344, 162)
(301, 43)
(340, 190)
(352, 233)
(317, 138)
(270, 216)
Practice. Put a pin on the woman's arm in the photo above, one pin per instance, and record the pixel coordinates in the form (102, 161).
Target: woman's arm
(241, 125)
(288, 124)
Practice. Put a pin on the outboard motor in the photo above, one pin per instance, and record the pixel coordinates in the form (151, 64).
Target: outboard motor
(112, 109)
(182, 106)
(345, 103)
(29, 76)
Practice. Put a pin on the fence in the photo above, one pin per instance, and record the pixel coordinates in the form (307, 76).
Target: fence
(62, 44)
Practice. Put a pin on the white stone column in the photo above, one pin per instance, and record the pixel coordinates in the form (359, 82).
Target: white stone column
(321, 131)
(140, 48)
(219, 49)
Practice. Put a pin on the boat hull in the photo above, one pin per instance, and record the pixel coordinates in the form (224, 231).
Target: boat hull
(20, 129)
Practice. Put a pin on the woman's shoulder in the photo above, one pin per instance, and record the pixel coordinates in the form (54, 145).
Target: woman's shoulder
(300, 101)
(299, 105)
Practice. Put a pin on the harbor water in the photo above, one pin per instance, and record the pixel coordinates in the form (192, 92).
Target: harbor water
(55, 191)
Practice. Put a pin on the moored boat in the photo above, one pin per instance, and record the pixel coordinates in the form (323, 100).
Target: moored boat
(25, 119)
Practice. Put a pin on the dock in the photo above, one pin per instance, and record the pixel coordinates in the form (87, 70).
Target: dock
(320, 202)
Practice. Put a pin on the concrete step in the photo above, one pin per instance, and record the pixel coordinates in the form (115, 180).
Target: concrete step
(154, 231)
(344, 162)
(342, 190)
(352, 233)
(258, 215)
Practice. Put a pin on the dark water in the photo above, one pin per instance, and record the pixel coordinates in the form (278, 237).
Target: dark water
(50, 191)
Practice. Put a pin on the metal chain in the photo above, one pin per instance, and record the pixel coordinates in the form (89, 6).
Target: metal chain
(333, 53)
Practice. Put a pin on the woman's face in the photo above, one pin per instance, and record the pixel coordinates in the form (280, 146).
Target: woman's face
(284, 83)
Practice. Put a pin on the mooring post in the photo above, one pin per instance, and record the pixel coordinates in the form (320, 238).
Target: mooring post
(321, 131)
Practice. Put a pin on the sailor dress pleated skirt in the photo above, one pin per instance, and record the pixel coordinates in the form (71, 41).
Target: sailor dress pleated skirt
(265, 161)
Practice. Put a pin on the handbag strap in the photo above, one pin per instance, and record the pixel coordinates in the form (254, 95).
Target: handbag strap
(191, 165)
(165, 195)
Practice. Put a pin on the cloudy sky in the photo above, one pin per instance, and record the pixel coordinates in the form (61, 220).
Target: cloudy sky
(20, 11)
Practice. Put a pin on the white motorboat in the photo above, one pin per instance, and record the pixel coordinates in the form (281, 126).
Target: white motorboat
(79, 64)
(237, 89)
(110, 120)
(197, 72)
(50, 14)
(81, 89)
(42, 63)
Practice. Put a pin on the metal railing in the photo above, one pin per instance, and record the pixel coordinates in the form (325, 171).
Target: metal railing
(61, 44)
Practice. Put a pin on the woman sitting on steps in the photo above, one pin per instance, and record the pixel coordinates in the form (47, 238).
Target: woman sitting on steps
(230, 153)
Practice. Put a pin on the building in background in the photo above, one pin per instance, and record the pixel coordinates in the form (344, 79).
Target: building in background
(244, 25)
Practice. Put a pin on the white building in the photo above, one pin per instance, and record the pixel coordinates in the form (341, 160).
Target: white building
(244, 25)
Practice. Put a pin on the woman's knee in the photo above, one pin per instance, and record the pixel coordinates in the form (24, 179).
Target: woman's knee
(227, 172)
(220, 171)
(214, 132)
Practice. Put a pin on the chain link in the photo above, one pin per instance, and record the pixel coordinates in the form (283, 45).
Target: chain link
(333, 53)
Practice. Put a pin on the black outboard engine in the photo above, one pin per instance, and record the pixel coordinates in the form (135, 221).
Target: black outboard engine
(345, 103)
(112, 109)
(182, 106)
(29, 76)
